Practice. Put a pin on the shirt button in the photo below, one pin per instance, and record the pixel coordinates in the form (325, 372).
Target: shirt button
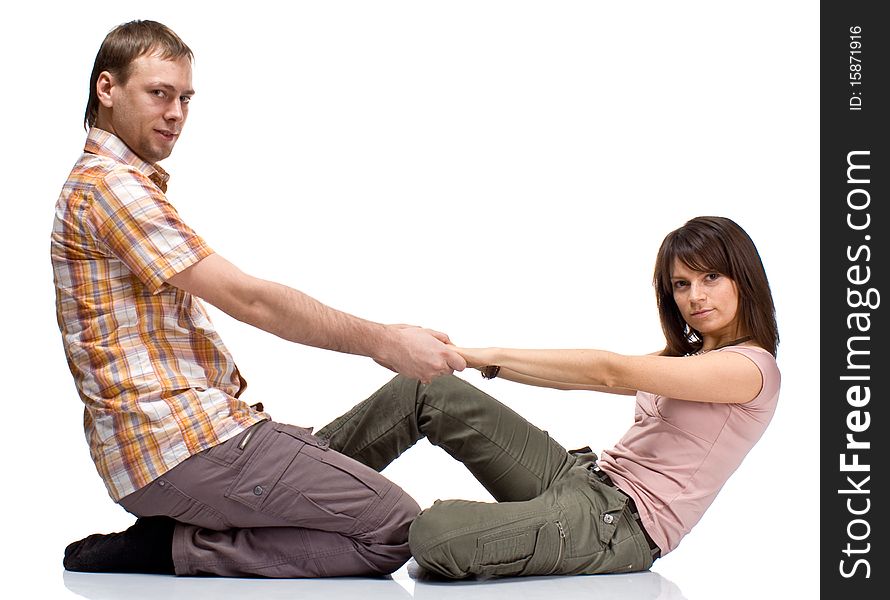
(162, 483)
(258, 490)
(608, 519)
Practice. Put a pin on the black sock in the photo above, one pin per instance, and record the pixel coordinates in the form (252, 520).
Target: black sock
(146, 547)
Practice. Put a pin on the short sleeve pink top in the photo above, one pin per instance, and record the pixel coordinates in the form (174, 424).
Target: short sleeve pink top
(678, 454)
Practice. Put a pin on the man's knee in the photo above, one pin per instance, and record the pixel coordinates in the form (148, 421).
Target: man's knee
(393, 527)
(404, 513)
(387, 546)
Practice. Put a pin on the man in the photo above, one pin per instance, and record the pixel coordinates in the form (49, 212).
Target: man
(218, 487)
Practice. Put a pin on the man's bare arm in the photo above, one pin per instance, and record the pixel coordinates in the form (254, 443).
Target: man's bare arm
(290, 314)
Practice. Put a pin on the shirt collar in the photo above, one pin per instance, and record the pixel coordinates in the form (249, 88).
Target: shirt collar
(104, 143)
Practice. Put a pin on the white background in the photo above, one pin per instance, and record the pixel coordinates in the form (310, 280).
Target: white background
(502, 171)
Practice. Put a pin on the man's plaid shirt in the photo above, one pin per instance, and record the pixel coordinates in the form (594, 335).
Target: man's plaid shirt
(157, 382)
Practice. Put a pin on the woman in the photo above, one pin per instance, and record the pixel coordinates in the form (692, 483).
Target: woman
(701, 404)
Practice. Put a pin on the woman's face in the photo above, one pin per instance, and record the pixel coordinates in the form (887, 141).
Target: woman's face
(708, 301)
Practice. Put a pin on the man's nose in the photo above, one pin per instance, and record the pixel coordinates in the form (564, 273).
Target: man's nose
(174, 111)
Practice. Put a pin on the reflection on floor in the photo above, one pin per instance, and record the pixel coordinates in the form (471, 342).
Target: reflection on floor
(632, 586)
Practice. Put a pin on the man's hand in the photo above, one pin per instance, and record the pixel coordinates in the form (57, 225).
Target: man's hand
(419, 353)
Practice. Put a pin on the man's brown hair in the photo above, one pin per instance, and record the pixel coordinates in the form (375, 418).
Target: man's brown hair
(124, 44)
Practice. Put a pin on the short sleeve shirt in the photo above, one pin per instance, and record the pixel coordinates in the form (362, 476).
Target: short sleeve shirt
(157, 382)
(678, 454)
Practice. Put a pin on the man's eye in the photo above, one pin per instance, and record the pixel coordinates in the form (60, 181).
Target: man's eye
(158, 93)
(185, 99)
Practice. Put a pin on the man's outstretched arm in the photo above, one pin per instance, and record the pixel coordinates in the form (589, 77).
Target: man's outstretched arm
(290, 314)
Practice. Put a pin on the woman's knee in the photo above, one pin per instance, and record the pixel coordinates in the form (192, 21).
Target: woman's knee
(447, 391)
(447, 386)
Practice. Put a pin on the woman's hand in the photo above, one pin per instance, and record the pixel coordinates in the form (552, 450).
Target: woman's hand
(476, 357)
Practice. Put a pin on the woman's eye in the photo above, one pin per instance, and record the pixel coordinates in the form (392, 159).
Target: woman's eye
(679, 284)
(713, 276)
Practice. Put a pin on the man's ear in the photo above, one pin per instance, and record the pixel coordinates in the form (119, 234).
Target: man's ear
(103, 88)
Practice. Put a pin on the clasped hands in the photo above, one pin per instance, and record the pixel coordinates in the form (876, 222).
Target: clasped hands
(424, 354)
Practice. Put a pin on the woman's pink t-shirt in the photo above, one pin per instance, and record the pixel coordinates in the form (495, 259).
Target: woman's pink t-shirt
(678, 454)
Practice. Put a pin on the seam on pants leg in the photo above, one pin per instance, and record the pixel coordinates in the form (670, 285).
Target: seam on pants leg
(352, 412)
(382, 434)
(277, 561)
(181, 565)
(500, 447)
(303, 552)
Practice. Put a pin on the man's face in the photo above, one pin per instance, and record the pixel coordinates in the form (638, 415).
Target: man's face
(149, 111)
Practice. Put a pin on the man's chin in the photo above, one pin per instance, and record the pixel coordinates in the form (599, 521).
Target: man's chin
(159, 154)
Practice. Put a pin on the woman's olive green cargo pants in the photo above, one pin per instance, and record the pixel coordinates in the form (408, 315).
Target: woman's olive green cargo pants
(552, 515)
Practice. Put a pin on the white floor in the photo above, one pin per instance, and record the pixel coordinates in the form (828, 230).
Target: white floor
(404, 584)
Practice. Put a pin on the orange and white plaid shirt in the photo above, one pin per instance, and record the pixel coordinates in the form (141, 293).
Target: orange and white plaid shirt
(158, 384)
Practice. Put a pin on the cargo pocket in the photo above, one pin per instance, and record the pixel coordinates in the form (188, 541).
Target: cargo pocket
(294, 477)
(342, 467)
(268, 462)
(538, 549)
(324, 489)
(607, 525)
(606, 506)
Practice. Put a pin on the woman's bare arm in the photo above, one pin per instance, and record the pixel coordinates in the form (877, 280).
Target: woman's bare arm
(509, 374)
(725, 377)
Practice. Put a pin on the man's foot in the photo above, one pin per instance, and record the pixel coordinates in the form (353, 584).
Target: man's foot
(146, 547)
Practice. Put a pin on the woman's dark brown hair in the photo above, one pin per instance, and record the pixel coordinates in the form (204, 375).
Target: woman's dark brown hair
(719, 245)
(124, 44)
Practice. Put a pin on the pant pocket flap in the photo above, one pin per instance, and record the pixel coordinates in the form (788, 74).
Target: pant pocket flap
(264, 469)
(607, 506)
(535, 549)
(303, 434)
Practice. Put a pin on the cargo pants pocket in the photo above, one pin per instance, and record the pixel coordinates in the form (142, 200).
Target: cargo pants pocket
(261, 474)
(293, 476)
(538, 548)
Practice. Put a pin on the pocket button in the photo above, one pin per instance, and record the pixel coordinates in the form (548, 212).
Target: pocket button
(258, 490)
(608, 519)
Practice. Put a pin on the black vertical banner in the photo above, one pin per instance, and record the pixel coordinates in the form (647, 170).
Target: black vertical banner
(855, 300)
